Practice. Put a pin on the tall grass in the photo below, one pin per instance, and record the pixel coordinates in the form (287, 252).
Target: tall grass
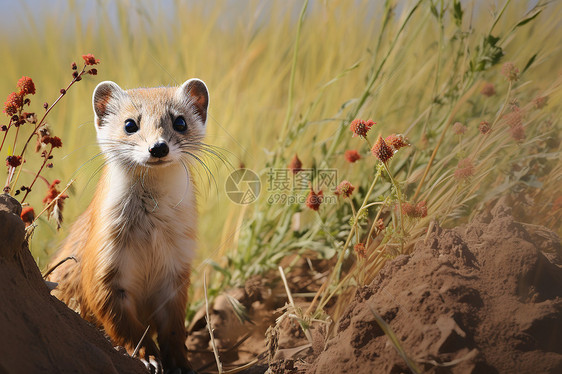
(413, 67)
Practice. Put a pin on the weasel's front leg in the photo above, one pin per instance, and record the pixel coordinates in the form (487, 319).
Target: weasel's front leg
(119, 318)
(172, 333)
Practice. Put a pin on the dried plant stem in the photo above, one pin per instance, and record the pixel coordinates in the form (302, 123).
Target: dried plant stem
(48, 272)
(461, 101)
(5, 134)
(136, 351)
(28, 190)
(209, 327)
(292, 303)
(287, 290)
(40, 123)
(10, 175)
(15, 139)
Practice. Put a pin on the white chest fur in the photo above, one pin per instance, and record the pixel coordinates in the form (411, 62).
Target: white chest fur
(151, 222)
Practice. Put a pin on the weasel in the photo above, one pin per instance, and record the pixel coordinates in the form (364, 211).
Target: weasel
(135, 242)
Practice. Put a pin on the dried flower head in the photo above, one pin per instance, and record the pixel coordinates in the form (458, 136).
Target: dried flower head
(73, 66)
(42, 132)
(360, 251)
(396, 141)
(360, 128)
(89, 59)
(510, 71)
(484, 127)
(29, 117)
(313, 200)
(382, 151)
(465, 169)
(295, 165)
(488, 89)
(352, 155)
(421, 209)
(514, 118)
(408, 209)
(26, 86)
(540, 102)
(13, 161)
(52, 192)
(459, 128)
(517, 133)
(55, 210)
(27, 215)
(93, 71)
(345, 189)
(418, 210)
(13, 103)
(54, 141)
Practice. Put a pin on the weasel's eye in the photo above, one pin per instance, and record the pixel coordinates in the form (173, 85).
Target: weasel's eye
(179, 124)
(131, 126)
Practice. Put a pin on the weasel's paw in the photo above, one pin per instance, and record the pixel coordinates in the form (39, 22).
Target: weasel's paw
(153, 365)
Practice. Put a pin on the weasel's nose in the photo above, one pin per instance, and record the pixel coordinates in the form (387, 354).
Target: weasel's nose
(159, 150)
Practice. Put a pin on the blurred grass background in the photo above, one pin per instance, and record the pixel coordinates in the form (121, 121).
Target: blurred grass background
(243, 50)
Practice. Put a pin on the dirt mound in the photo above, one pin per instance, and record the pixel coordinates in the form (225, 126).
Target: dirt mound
(38, 333)
(483, 298)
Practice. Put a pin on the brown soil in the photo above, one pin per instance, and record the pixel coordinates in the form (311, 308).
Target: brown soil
(39, 334)
(481, 298)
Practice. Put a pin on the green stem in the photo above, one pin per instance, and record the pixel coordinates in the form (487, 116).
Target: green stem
(498, 16)
(369, 237)
(400, 200)
(335, 273)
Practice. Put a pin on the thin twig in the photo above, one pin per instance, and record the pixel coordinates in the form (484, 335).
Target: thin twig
(209, 327)
(136, 351)
(58, 264)
(291, 301)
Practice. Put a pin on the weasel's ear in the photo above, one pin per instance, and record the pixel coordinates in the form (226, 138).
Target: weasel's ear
(196, 93)
(104, 93)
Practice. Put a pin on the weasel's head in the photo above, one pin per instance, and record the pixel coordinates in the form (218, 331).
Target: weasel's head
(151, 127)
